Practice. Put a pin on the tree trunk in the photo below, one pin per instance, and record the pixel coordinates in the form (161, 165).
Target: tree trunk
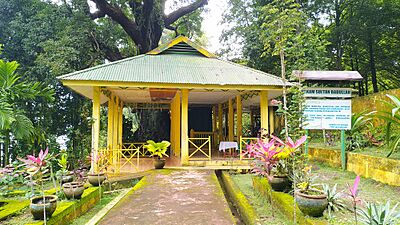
(6, 148)
(338, 36)
(372, 63)
(366, 84)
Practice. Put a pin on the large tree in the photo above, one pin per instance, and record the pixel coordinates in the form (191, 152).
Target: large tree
(143, 20)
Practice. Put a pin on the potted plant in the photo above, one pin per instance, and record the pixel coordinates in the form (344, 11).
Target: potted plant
(310, 200)
(42, 207)
(273, 160)
(63, 174)
(97, 175)
(72, 189)
(158, 151)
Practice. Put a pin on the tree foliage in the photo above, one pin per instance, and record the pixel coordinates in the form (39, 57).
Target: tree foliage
(360, 35)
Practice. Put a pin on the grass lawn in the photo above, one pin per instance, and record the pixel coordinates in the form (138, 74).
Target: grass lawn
(267, 214)
(89, 214)
(25, 216)
(369, 191)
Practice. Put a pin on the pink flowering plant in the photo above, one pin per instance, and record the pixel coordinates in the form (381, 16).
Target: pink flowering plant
(353, 193)
(11, 178)
(100, 161)
(273, 156)
(37, 168)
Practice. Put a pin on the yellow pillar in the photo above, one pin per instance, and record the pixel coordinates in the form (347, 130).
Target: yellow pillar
(231, 134)
(271, 119)
(220, 122)
(175, 124)
(110, 121)
(96, 123)
(214, 125)
(172, 128)
(184, 128)
(252, 125)
(239, 116)
(264, 109)
(120, 123)
(115, 123)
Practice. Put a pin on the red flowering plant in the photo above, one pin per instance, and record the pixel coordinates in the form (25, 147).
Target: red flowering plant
(263, 153)
(285, 156)
(272, 157)
(36, 168)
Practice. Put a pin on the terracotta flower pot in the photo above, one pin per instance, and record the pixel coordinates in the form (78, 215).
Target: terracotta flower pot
(73, 190)
(279, 183)
(312, 204)
(96, 179)
(37, 206)
(159, 163)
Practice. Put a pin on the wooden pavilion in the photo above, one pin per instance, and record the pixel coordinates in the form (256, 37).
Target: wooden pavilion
(180, 75)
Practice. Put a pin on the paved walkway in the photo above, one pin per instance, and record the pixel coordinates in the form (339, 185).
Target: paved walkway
(174, 197)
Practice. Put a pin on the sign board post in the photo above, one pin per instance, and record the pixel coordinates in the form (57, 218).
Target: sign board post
(343, 149)
(328, 109)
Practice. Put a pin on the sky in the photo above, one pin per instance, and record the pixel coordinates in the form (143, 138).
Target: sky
(211, 23)
(212, 16)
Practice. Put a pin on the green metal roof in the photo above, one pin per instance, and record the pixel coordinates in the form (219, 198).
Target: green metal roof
(175, 68)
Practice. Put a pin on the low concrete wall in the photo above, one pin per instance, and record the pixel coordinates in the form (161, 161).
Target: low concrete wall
(378, 168)
(247, 212)
(283, 202)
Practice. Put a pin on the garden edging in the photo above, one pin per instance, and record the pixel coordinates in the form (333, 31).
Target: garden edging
(378, 168)
(283, 202)
(68, 210)
(247, 212)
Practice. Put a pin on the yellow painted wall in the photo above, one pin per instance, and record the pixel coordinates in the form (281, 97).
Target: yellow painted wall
(372, 102)
(380, 169)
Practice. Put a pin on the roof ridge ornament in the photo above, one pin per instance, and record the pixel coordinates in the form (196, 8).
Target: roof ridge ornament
(178, 40)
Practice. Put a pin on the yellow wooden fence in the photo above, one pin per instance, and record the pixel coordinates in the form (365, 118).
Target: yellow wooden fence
(200, 145)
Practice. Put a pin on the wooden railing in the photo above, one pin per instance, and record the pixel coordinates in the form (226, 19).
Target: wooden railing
(200, 145)
(244, 141)
(136, 145)
(205, 134)
(125, 158)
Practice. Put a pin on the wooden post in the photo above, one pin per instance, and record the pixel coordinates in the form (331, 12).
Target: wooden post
(175, 124)
(271, 120)
(172, 121)
(239, 116)
(214, 127)
(110, 122)
(184, 127)
(115, 123)
(120, 123)
(231, 135)
(220, 122)
(95, 124)
(264, 110)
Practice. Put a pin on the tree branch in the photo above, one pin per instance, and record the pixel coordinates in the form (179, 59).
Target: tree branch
(172, 17)
(117, 15)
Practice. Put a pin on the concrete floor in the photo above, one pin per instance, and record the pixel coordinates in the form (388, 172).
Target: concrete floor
(174, 197)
